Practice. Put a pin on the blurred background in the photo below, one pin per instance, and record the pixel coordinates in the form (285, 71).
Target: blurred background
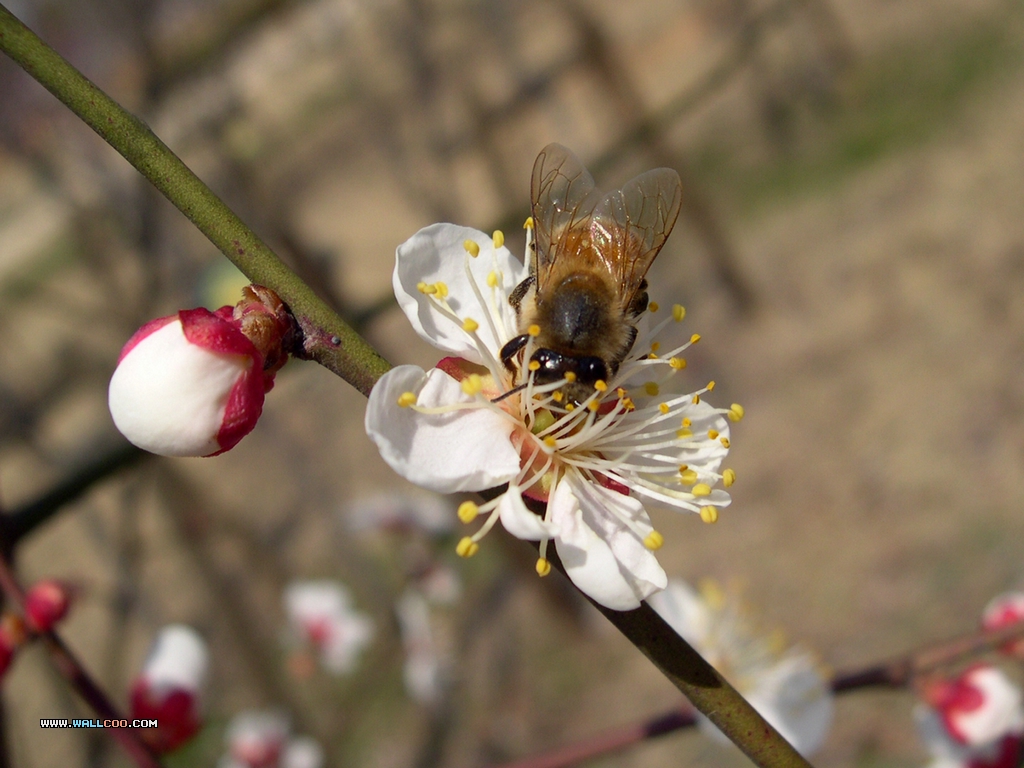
(851, 250)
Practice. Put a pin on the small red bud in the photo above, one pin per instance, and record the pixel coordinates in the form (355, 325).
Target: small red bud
(46, 603)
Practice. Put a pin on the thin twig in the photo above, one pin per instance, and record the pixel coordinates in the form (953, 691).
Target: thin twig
(78, 678)
(896, 673)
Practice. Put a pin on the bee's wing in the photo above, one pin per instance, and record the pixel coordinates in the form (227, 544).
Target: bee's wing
(630, 225)
(562, 196)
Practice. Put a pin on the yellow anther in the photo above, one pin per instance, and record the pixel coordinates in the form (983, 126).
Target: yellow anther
(528, 224)
(654, 541)
(677, 362)
(711, 385)
(427, 289)
(701, 489)
(652, 356)
(570, 407)
(684, 432)
(550, 441)
(472, 384)
(655, 346)
(663, 407)
(695, 400)
(543, 567)
(471, 248)
(534, 365)
(712, 434)
(406, 399)
(651, 388)
(687, 422)
(678, 312)
(557, 396)
(724, 441)
(499, 238)
(534, 330)
(653, 306)
(442, 289)
(570, 376)
(466, 547)
(627, 404)
(468, 511)
(470, 325)
(593, 405)
(736, 412)
(542, 419)
(492, 279)
(600, 385)
(695, 338)
(683, 467)
(687, 476)
(709, 514)
(728, 477)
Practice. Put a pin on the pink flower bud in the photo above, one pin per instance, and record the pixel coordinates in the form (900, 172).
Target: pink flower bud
(257, 739)
(46, 603)
(978, 708)
(191, 384)
(169, 687)
(1002, 611)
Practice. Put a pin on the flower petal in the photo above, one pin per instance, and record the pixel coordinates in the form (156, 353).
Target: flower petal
(436, 254)
(169, 396)
(683, 610)
(604, 558)
(794, 698)
(463, 450)
(520, 521)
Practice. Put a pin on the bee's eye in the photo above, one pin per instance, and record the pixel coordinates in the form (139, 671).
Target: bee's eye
(590, 369)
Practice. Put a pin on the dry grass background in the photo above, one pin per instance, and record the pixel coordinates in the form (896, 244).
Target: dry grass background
(860, 163)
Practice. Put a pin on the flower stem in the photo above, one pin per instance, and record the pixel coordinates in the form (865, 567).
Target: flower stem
(73, 671)
(327, 338)
(701, 683)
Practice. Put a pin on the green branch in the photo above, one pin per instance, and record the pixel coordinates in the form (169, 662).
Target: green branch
(327, 338)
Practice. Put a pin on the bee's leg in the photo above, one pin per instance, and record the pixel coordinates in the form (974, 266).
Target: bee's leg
(519, 293)
(511, 349)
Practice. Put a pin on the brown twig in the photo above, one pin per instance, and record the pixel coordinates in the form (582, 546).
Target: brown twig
(896, 673)
(76, 675)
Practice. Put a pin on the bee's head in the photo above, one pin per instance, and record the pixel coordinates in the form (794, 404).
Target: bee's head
(553, 366)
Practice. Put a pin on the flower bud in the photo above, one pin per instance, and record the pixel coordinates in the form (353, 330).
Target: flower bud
(46, 603)
(169, 687)
(1002, 611)
(192, 384)
(257, 739)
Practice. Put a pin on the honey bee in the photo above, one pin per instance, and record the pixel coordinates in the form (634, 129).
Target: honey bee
(587, 284)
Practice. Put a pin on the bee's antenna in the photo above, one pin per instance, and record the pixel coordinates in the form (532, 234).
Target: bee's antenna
(512, 391)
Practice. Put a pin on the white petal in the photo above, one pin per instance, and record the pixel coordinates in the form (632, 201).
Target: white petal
(466, 450)
(178, 660)
(520, 521)
(436, 254)
(606, 560)
(794, 698)
(303, 752)
(683, 610)
(168, 396)
(1001, 713)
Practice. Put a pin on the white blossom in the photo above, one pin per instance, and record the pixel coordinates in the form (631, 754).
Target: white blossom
(472, 424)
(321, 614)
(783, 684)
